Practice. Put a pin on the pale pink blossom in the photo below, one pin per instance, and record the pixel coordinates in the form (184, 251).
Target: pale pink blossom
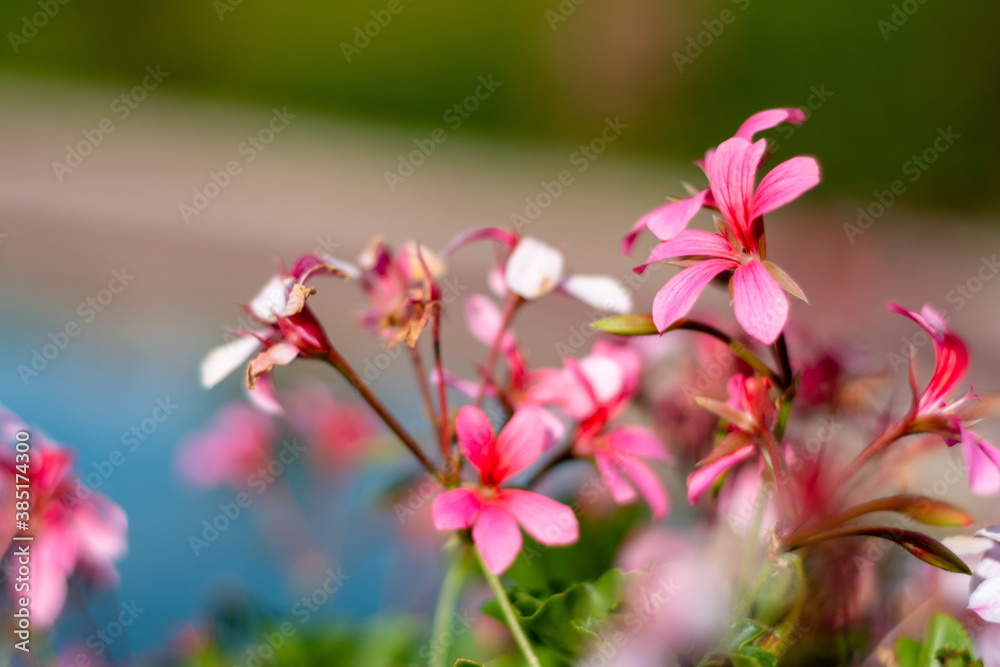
(935, 414)
(336, 430)
(532, 269)
(238, 443)
(288, 330)
(595, 391)
(495, 513)
(982, 553)
(75, 529)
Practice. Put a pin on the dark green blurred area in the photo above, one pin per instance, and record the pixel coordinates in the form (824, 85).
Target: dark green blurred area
(891, 90)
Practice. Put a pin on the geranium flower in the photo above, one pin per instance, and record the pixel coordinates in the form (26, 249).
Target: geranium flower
(238, 443)
(749, 410)
(289, 329)
(531, 269)
(75, 529)
(495, 513)
(672, 218)
(595, 391)
(738, 245)
(934, 414)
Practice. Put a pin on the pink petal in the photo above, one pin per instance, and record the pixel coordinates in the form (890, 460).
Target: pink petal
(985, 600)
(497, 537)
(765, 120)
(501, 236)
(609, 467)
(264, 396)
(690, 243)
(519, 444)
(484, 320)
(982, 460)
(785, 183)
(533, 268)
(455, 509)
(649, 486)
(546, 520)
(703, 478)
(637, 441)
(668, 220)
(676, 298)
(759, 303)
(732, 172)
(951, 361)
(602, 292)
(476, 440)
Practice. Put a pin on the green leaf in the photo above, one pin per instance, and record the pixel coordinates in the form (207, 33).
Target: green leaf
(740, 634)
(907, 652)
(627, 325)
(566, 622)
(462, 662)
(945, 643)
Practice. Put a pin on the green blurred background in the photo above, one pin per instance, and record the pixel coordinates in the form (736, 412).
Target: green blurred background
(895, 72)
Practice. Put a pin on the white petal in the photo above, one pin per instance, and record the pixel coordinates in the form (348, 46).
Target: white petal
(533, 269)
(272, 299)
(223, 360)
(343, 265)
(602, 292)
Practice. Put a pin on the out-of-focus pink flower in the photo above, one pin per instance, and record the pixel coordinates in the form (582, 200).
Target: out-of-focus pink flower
(749, 411)
(982, 553)
(672, 218)
(289, 329)
(238, 443)
(336, 430)
(75, 529)
(595, 391)
(495, 513)
(933, 412)
(400, 288)
(532, 269)
(484, 321)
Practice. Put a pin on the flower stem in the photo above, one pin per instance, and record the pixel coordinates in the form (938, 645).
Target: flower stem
(737, 347)
(892, 434)
(425, 389)
(508, 612)
(510, 308)
(442, 392)
(781, 474)
(338, 362)
(451, 589)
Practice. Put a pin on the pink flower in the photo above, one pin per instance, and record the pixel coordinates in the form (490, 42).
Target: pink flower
(532, 269)
(749, 411)
(289, 329)
(336, 430)
(237, 444)
(494, 513)
(595, 391)
(672, 218)
(74, 528)
(934, 414)
(982, 553)
(738, 244)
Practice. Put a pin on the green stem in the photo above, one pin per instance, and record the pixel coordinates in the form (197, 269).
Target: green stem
(778, 639)
(451, 589)
(508, 612)
(737, 347)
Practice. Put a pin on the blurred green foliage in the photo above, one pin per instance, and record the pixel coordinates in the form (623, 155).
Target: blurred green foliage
(893, 72)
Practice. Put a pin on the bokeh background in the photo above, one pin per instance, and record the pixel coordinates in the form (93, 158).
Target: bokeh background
(882, 82)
